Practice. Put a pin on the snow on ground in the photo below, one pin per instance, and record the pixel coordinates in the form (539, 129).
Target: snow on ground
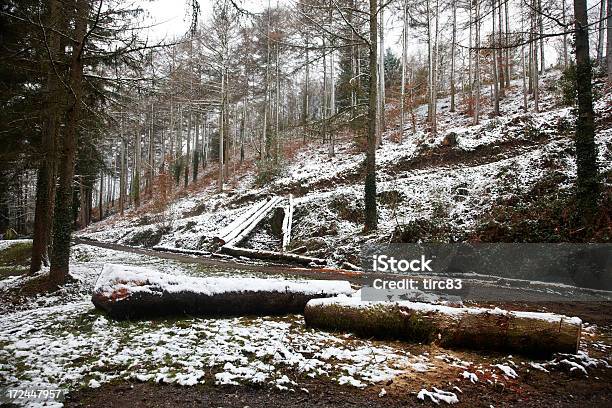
(4, 244)
(61, 341)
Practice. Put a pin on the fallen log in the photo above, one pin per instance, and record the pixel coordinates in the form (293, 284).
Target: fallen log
(181, 250)
(527, 333)
(285, 257)
(126, 292)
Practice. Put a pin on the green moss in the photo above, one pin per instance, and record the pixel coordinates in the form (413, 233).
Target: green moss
(15, 260)
(380, 321)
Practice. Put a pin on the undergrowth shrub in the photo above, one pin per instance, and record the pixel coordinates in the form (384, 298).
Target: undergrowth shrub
(566, 86)
(545, 214)
(268, 170)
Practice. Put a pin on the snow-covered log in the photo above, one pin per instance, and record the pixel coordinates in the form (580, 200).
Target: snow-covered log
(272, 256)
(287, 223)
(244, 229)
(180, 250)
(131, 292)
(475, 328)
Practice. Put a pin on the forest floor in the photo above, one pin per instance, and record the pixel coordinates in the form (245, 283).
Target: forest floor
(60, 340)
(447, 187)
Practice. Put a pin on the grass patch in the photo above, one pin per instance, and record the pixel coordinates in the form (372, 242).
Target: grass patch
(15, 260)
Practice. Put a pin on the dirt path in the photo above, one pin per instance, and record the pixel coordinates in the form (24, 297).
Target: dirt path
(534, 391)
(229, 263)
(518, 295)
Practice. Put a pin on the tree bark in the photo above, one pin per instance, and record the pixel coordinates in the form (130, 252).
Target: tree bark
(404, 60)
(507, 43)
(541, 27)
(63, 217)
(381, 79)
(587, 187)
(600, 31)
(563, 16)
(500, 52)
(494, 62)
(452, 72)
(45, 182)
(477, 66)
(609, 46)
(475, 328)
(123, 171)
(154, 296)
(371, 219)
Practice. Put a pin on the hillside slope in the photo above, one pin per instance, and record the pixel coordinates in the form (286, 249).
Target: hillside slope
(506, 179)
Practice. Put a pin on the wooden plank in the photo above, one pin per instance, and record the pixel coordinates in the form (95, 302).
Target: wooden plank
(287, 223)
(245, 229)
(229, 229)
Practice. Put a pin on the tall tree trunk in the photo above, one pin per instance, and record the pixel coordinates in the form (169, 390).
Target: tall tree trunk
(500, 52)
(222, 134)
(325, 98)
(563, 16)
(536, 74)
(332, 90)
(477, 66)
(381, 79)
(541, 27)
(45, 182)
(429, 63)
(494, 62)
(196, 148)
(305, 101)
(507, 44)
(452, 72)
(101, 196)
(151, 159)
(600, 31)
(404, 60)
(371, 218)
(523, 66)
(470, 57)
(264, 151)
(123, 172)
(63, 219)
(188, 156)
(137, 169)
(434, 75)
(609, 46)
(277, 151)
(587, 187)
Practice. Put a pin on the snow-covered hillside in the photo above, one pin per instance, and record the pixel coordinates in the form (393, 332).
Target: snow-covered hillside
(432, 187)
